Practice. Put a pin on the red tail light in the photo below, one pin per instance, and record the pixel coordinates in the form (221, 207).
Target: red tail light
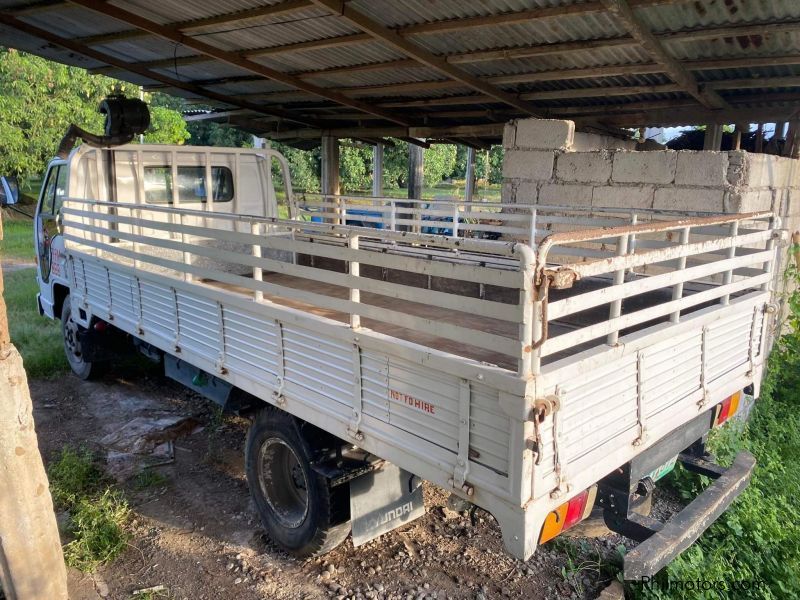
(575, 509)
(727, 408)
(569, 513)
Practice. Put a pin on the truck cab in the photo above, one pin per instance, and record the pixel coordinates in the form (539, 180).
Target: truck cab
(245, 181)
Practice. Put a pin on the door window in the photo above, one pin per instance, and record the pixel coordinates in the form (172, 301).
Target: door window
(61, 188)
(49, 192)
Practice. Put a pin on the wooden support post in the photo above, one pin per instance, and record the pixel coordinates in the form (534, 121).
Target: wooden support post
(759, 145)
(792, 147)
(377, 170)
(329, 178)
(741, 130)
(713, 138)
(469, 187)
(330, 165)
(31, 562)
(416, 163)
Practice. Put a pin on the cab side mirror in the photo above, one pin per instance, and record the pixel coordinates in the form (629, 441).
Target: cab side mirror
(9, 190)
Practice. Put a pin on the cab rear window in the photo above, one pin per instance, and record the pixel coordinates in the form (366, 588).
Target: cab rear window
(191, 185)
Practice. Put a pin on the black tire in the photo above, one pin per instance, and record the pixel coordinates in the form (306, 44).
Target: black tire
(300, 511)
(72, 346)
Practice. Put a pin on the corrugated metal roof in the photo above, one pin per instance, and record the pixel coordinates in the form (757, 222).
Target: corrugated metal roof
(328, 42)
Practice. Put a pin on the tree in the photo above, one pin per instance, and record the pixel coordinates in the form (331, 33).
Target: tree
(440, 160)
(355, 167)
(39, 99)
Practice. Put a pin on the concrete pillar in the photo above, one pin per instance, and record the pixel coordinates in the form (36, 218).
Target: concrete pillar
(416, 163)
(31, 562)
(330, 165)
(713, 138)
(469, 186)
(377, 170)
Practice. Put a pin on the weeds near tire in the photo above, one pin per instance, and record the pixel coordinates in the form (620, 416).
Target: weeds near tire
(97, 513)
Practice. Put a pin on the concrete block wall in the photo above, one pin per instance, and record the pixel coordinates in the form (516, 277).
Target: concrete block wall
(548, 162)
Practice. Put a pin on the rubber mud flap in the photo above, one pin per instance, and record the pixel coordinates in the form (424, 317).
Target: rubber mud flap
(383, 500)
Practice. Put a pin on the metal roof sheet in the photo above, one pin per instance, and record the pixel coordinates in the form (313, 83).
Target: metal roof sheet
(324, 49)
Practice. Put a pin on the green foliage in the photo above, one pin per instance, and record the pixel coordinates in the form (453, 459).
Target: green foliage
(38, 339)
(758, 538)
(97, 513)
(72, 476)
(488, 164)
(355, 167)
(98, 527)
(39, 99)
(440, 160)
(304, 166)
(148, 479)
(17, 239)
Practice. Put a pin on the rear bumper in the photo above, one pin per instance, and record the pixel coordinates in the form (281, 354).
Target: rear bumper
(685, 527)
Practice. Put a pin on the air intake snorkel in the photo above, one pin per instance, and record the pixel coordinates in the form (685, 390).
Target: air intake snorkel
(125, 119)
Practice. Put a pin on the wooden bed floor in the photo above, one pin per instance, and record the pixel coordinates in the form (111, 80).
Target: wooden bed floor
(480, 324)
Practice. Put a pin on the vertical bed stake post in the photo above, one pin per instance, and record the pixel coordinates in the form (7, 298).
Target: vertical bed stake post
(677, 289)
(615, 307)
(728, 276)
(455, 220)
(355, 292)
(258, 275)
(187, 256)
(461, 471)
(354, 428)
(640, 398)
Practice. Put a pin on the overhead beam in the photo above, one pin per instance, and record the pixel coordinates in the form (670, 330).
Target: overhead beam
(510, 18)
(47, 36)
(398, 42)
(531, 51)
(483, 130)
(622, 11)
(231, 58)
(673, 117)
(259, 12)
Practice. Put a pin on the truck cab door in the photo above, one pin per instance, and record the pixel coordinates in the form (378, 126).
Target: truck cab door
(50, 256)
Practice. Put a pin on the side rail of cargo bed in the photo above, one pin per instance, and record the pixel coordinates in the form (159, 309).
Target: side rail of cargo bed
(409, 345)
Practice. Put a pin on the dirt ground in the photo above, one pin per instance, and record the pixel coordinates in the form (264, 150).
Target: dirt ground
(198, 536)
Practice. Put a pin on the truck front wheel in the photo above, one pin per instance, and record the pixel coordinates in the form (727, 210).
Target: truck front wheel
(301, 512)
(73, 347)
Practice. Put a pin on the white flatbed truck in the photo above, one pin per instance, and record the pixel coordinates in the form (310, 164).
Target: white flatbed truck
(539, 362)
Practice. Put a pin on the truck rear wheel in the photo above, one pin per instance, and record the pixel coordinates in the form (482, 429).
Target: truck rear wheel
(299, 509)
(73, 347)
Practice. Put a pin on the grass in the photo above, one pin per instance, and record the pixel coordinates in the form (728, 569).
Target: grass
(17, 242)
(97, 512)
(149, 479)
(37, 338)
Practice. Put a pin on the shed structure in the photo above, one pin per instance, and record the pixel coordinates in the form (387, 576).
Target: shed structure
(298, 70)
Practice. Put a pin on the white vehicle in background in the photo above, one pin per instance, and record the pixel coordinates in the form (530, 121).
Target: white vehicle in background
(558, 367)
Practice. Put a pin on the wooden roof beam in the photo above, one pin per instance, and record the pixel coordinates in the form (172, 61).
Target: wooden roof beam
(73, 46)
(557, 48)
(232, 58)
(398, 42)
(621, 9)
(273, 10)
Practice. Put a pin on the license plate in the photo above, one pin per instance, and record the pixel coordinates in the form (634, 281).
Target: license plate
(663, 470)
